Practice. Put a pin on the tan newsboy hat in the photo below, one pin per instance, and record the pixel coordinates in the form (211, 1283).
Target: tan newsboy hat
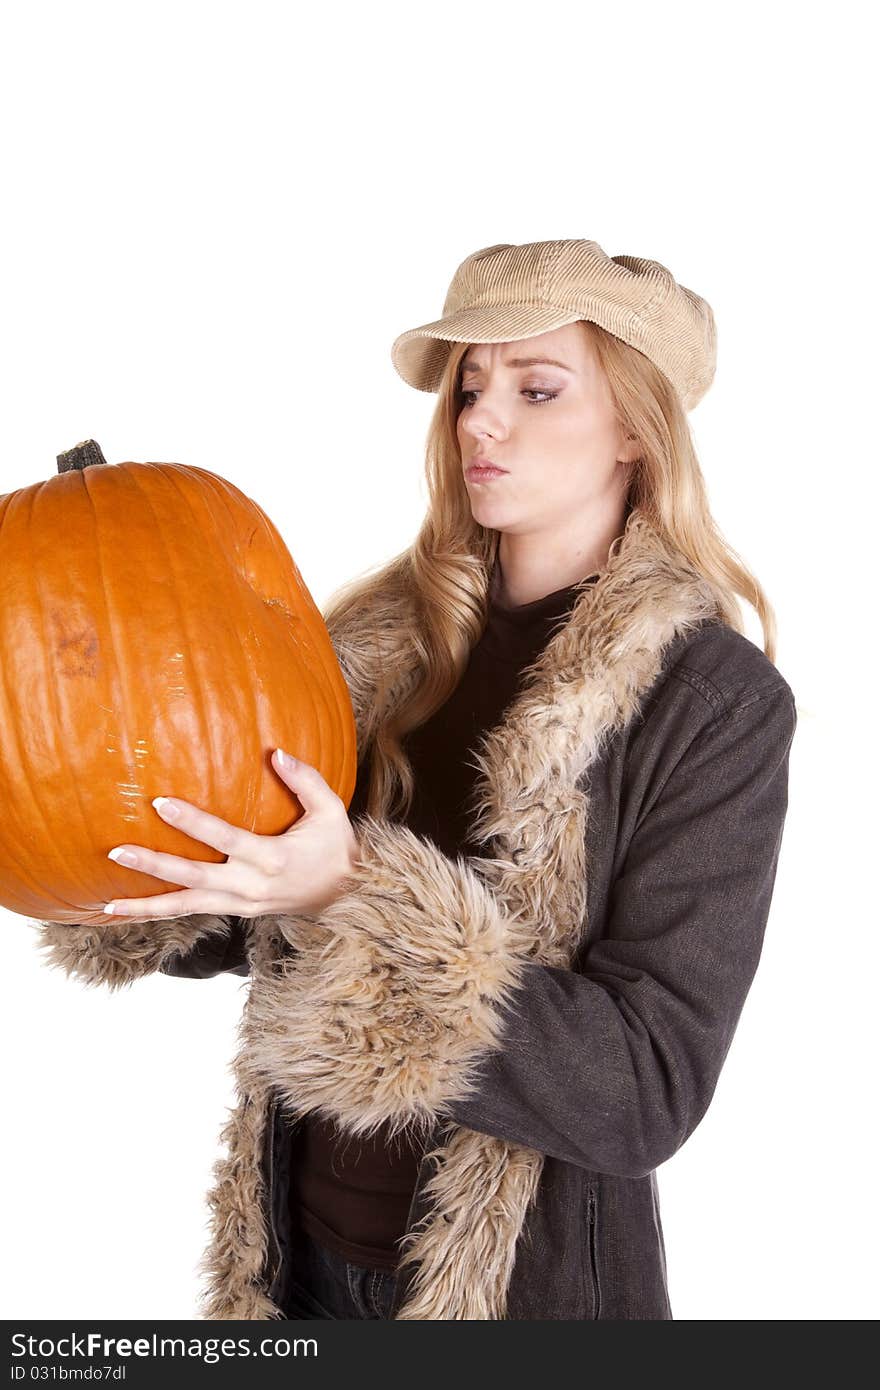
(506, 292)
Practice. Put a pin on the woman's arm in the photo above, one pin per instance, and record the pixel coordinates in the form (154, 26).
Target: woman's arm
(614, 1068)
(418, 1004)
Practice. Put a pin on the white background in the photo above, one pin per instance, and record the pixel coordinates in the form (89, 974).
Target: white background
(217, 218)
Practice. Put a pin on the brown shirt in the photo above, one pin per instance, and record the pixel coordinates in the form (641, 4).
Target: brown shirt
(351, 1194)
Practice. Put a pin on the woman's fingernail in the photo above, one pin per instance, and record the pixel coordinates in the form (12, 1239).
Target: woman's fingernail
(109, 908)
(122, 856)
(166, 807)
(284, 759)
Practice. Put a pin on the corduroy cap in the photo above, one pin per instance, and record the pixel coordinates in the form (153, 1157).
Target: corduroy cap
(506, 292)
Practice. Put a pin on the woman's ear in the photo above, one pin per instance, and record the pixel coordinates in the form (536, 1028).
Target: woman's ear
(630, 451)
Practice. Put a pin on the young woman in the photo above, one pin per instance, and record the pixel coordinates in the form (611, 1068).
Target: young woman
(491, 999)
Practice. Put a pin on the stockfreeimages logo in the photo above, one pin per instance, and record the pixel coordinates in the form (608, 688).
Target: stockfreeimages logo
(94, 1346)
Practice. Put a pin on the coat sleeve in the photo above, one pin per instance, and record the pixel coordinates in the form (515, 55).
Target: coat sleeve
(212, 955)
(417, 1003)
(118, 953)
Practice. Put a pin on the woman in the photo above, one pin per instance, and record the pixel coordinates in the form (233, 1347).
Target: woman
(488, 1002)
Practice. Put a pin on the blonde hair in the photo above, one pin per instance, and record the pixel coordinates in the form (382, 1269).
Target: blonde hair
(448, 568)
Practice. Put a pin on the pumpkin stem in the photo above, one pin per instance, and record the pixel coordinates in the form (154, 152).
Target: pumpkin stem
(81, 456)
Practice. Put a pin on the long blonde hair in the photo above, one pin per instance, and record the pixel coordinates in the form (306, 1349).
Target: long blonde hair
(448, 567)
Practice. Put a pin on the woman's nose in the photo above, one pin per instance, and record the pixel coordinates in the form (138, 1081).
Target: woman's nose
(482, 420)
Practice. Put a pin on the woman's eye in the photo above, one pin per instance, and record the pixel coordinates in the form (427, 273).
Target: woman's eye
(528, 391)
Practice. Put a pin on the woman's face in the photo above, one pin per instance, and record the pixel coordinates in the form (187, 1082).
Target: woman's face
(552, 427)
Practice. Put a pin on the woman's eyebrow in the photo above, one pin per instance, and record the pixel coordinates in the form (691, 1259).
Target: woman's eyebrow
(470, 366)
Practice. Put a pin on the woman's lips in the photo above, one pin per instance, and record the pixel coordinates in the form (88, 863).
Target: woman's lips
(484, 475)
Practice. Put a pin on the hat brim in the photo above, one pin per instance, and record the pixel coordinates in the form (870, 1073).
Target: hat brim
(420, 354)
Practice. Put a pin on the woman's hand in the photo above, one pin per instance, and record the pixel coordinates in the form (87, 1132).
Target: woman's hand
(299, 871)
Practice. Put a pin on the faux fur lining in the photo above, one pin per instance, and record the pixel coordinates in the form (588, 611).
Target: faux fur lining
(120, 953)
(381, 1017)
(236, 1260)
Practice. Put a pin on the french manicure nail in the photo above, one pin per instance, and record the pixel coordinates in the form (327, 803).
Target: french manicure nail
(122, 856)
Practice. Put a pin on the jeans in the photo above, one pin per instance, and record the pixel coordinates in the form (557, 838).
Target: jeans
(323, 1284)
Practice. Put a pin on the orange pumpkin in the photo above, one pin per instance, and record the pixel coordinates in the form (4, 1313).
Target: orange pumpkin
(157, 639)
